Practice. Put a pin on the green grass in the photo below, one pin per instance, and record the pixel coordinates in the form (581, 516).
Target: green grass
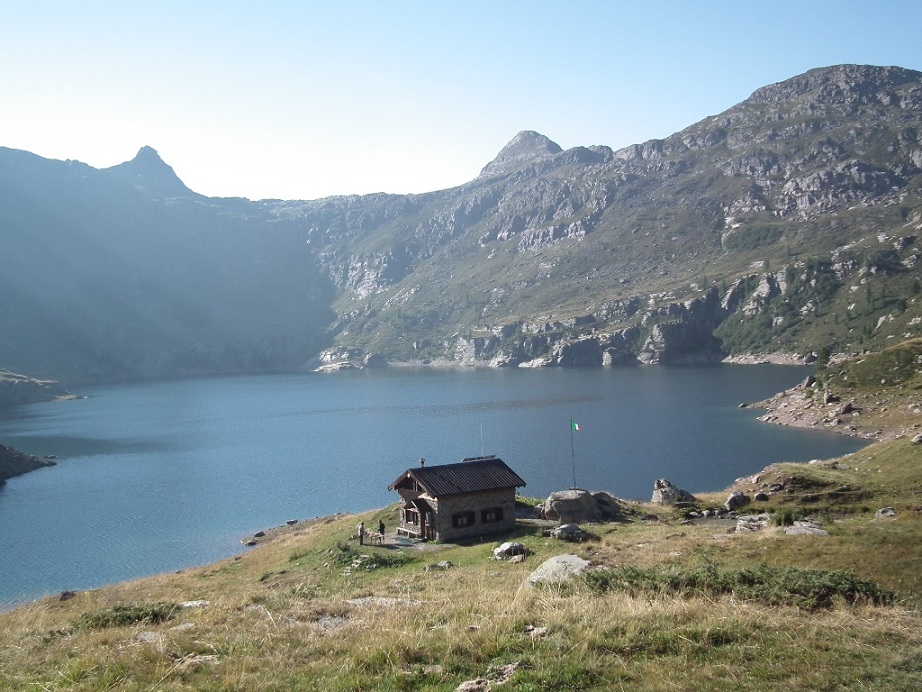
(124, 614)
(899, 366)
(263, 627)
(804, 588)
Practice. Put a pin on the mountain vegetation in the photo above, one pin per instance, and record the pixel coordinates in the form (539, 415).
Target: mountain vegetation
(788, 223)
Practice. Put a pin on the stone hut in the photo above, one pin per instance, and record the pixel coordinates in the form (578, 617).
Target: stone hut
(450, 501)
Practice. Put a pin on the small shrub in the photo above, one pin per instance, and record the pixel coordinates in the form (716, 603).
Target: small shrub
(391, 559)
(345, 554)
(127, 614)
(751, 237)
(524, 501)
(297, 554)
(785, 517)
(805, 588)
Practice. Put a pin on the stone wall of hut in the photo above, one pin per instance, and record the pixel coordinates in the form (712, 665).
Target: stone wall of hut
(484, 513)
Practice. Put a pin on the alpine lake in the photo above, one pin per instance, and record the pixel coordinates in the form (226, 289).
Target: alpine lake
(160, 476)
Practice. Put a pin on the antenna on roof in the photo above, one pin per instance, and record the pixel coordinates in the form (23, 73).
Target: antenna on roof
(485, 457)
(422, 462)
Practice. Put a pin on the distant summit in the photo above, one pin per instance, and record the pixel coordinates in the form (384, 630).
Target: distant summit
(525, 147)
(149, 173)
(841, 85)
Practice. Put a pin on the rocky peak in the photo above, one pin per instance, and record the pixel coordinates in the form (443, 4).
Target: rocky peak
(526, 147)
(149, 173)
(148, 156)
(839, 84)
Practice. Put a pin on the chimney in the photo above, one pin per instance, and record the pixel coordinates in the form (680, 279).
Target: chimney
(422, 462)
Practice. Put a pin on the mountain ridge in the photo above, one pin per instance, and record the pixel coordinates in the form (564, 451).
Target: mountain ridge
(788, 222)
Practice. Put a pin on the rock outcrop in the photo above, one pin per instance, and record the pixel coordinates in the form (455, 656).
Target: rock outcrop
(509, 549)
(577, 506)
(559, 568)
(805, 527)
(14, 463)
(736, 500)
(525, 148)
(572, 533)
(666, 493)
(17, 390)
(571, 507)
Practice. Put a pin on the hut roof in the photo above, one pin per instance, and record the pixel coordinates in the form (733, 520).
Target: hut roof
(469, 476)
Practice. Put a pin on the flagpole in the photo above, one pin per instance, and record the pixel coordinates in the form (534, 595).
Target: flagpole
(573, 453)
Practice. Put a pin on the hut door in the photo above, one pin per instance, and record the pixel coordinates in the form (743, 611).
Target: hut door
(428, 533)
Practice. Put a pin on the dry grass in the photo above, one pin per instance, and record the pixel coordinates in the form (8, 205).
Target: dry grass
(466, 625)
(285, 617)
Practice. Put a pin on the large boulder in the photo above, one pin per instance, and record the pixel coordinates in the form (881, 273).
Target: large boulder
(805, 528)
(666, 493)
(557, 569)
(508, 549)
(750, 523)
(572, 507)
(608, 506)
(572, 533)
(736, 500)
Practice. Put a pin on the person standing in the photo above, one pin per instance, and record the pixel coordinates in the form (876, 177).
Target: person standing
(381, 528)
(361, 532)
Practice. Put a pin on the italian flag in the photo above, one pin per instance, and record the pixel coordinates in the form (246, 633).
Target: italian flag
(574, 425)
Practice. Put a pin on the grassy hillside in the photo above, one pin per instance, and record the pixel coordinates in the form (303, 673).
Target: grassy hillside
(673, 603)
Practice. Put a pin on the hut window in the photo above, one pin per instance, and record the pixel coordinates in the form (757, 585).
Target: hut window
(462, 519)
(491, 515)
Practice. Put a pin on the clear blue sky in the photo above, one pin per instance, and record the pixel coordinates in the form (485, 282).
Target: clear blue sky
(309, 99)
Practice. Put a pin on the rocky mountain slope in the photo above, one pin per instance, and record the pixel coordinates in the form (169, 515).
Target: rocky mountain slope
(787, 223)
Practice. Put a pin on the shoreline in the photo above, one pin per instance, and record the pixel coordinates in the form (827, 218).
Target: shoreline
(30, 390)
(14, 463)
(863, 416)
(777, 358)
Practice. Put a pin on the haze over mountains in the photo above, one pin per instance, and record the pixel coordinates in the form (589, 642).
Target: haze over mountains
(788, 222)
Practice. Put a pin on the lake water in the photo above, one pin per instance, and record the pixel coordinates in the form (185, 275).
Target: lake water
(160, 476)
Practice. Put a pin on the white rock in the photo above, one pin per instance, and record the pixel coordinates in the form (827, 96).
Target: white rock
(558, 569)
